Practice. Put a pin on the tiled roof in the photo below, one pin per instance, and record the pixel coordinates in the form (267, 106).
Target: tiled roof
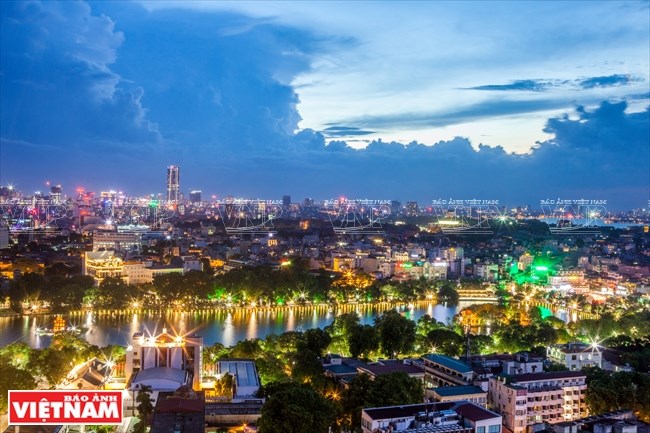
(450, 363)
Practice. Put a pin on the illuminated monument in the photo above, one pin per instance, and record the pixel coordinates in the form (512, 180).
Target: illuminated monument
(164, 361)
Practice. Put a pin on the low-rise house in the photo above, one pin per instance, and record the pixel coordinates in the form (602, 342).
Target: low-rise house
(457, 417)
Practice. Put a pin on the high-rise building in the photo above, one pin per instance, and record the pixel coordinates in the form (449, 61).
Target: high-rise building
(412, 208)
(4, 237)
(286, 201)
(173, 183)
(195, 197)
(55, 193)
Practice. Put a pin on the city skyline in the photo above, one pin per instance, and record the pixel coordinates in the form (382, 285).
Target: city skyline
(491, 100)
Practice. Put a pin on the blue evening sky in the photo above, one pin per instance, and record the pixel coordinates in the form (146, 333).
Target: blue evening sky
(516, 101)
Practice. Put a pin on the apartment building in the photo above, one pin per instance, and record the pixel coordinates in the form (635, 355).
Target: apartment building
(527, 399)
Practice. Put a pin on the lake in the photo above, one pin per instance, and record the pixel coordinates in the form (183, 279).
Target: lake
(224, 326)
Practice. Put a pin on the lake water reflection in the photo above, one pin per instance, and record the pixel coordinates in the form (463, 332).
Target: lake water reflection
(226, 327)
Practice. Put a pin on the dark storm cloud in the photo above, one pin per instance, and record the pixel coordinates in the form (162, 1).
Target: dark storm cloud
(542, 85)
(606, 81)
(59, 92)
(345, 131)
(112, 98)
(603, 153)
(532, 85)
(482, 110)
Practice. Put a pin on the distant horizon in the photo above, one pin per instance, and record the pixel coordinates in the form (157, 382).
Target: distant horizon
(440, 199)
(492, 100)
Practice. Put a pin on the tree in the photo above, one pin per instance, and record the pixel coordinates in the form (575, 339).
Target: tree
(480, 344)
(296, 410)
(395, 388)
(223, 386)
(340, 331)
(53, 363)
(445, 341)
(355, 398)
(620, 390)
(448, 295)
(17, 354)
(386, 390)
(363, 340)
(247, 349)
(13, 378)
(396, 333)
(315, 340)
(426, 324)
(145, 407)
(113, 292)
(306, 367)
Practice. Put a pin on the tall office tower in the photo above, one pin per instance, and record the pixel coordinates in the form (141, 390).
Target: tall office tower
(173, 183)
(286, 201)
(55, 193)
(195, 197)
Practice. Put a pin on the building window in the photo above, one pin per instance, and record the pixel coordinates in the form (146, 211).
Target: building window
(480, 429)
(494, 428)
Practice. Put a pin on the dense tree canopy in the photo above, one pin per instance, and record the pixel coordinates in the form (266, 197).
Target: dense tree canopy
(296, 409)
(395, 332)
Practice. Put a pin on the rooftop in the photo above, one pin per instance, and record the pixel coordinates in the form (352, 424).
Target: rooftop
(549, 375)
(450, 363)
(405, 411)
(378, 370)
(243, 370)
(340, 369)
(450, 391)
(159, 373)
(473, 412)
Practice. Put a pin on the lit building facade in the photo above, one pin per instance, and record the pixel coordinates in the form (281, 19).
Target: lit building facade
(528, 399)
(195, 197)
(116, 240)
(173, 183)
(101, 265)
(165, 351)
(576, 356)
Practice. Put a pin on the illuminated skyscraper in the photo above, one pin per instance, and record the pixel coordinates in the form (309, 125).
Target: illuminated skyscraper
(173, 183)
(195, 197)
(55, 193)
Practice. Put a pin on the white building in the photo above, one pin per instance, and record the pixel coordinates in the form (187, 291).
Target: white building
(191, 263)
(136, 273)
(528, 399)
(116, 240)
(101, 265)
(576, 356)
(486, 271)
(164, 351)
(438, 270)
